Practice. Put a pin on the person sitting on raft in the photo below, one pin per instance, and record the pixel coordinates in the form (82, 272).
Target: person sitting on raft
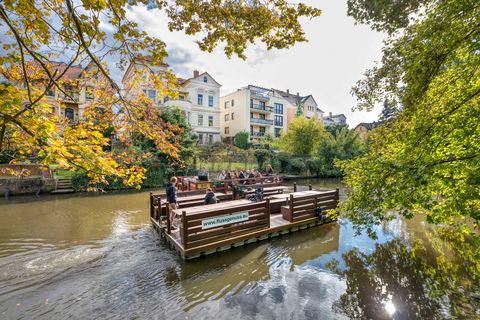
(210, 197)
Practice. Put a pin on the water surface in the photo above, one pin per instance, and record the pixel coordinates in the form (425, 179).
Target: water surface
(80, 256)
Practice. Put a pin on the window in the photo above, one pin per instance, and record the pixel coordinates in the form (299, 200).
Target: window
(226, 104)
(279, 120)
(233, 103)
(205, 79)
(152, 94)
(89, 94)
(279, 108)
(227, 117)
(227, 130)
(210, 101)
(200, 138)
(54, 110)
(200, 99)
(261, 105)
(50, 93)
(210, 139)
(210, 121)
(69, 114)
(181, 97)
(232, 116)
(261, 116)
(200, 120)
(251, 103)
(278, 132)
(165, 99)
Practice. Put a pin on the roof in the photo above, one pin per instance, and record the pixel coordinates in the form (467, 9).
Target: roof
(138, 61)
(72, 72)
(335, 116)
(370, 125)
(293, 98)
(184, 81)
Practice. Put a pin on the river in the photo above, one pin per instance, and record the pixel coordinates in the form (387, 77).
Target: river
(97, 257)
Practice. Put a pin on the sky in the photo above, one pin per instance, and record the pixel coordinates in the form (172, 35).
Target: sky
(335, 58)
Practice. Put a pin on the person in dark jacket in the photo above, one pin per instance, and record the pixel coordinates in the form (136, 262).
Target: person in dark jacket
(210, 197)
(269, 171)
(171, 191)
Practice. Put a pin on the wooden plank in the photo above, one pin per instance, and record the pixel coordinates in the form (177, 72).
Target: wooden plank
(219, 211)
(228, 235)
(226, 229)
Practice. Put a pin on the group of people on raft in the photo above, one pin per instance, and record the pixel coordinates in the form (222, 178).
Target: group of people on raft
(210, 198)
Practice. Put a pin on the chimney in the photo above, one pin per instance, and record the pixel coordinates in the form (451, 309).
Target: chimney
(298, 94)
(196, 73)
(288, 91)
(330, 114)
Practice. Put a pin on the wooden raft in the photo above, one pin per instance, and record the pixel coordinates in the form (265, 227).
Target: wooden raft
(278, 215)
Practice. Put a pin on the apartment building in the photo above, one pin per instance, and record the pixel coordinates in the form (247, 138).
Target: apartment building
(198, 99)
(77, 88)
(254, 109)
(307, 104)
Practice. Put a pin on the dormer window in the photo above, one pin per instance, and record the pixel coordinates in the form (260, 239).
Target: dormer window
(205, 79)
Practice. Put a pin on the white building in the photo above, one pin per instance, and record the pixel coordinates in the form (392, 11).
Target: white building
(333, 119)
(198, 98)
(254, 109)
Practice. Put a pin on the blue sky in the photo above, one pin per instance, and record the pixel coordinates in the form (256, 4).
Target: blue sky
(336, 56)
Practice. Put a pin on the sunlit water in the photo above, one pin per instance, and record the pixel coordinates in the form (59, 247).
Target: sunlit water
(97, 257)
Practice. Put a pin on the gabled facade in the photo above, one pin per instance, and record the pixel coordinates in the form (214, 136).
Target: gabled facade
(306, 104)
(254, 109)
(198, 99)
(77, 88)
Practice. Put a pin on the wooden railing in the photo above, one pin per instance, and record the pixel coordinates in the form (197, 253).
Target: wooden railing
(225, 185)
(307, 206)
(194, 235)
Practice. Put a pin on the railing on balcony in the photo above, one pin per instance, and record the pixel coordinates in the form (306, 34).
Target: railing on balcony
(261, 107)
(256, 95)
(261, 121)
(69, 96)
(257, 134)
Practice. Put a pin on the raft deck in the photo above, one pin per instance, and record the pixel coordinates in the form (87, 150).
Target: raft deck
(207, 229)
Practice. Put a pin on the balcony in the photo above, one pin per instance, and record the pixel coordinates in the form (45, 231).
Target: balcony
(258, 134)
(69, 96)
(261, 121)
(260, 108)
(259, 96)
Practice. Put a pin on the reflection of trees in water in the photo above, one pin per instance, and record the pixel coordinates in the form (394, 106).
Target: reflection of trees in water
(404, 282)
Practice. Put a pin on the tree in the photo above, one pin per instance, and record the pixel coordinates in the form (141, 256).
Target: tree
(302, 136)
(39, 32)
(343, 145)
(427, 159)
(334, 128)
(241, 139)
(389, 111)
(261, 155)
(299, 112)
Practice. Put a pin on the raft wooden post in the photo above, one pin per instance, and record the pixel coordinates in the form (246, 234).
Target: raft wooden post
(294, 187)
(169, 223)
(268, 213)
(184, 232)
(337, 196)
(310, 187)
(291, 208)
(151, 205)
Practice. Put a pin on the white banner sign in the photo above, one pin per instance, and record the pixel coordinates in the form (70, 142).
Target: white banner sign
(223, 220)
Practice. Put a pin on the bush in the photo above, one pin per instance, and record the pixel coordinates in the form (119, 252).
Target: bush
(261, 155)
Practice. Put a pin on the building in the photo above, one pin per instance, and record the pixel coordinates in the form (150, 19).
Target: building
(77, 84)
(363, 128)
(262, 111)
(334, 119)
(254, 109)
(198, 98)
(306, 104)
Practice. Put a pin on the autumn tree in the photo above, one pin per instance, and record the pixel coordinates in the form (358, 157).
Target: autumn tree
(39, 33)
(427, 159)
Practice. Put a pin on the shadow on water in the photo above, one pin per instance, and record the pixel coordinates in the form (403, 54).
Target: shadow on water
(98, 257)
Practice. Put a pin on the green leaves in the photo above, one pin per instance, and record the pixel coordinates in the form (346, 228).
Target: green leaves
(426, 159)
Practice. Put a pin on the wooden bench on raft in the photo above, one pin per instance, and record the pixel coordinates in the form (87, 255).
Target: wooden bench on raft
(213, 226)
(158, 205)
(303, 206)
